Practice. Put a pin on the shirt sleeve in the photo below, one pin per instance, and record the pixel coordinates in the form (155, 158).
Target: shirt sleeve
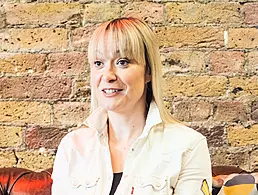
(195, 177)
(60, 171)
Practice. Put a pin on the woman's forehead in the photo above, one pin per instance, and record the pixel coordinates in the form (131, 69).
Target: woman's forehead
(113, 49)
(100, 54)
(114, 42)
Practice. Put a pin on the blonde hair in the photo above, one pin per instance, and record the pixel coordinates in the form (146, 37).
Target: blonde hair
(134, 39)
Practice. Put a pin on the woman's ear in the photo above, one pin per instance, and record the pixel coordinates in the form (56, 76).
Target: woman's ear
(147, 73)
(147, 77)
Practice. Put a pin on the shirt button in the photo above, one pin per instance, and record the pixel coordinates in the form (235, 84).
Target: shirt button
(75, 183)
(140, 181)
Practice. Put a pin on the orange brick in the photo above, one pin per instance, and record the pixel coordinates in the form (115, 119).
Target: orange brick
(34, 160)
(147, 11)
(205, 86)
(238, 157)
(47, 137)
(101, 12)
(254, 160)
(2, 18)
(82, 88)
(42, 13)
(242, 86)
(250, 11)
(35, 39)
(81, 37)
(230, 111)
(254, 111)
(214, 133)
(192, 110)
(243, 38)
(7, 159)
(184, 61)
(22, 63)
(71, 63)
(24, 112)
(241, 136)
(227, 62)
(252, 62)
(71, 113)
(190, 37)
(10, 136)
(222, 12)
(184, 12)
(35, 87)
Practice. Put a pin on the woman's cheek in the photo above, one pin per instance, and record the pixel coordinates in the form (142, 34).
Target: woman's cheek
(95, 79)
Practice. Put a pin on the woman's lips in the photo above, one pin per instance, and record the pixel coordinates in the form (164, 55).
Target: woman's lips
(111, 91)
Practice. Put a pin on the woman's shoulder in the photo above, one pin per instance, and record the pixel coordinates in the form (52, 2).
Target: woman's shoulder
(182, 135)
(180, 128)
(78, 138)
(80, 131)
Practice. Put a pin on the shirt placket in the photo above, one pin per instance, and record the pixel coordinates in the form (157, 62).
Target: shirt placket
(125, 186)
(105, 164)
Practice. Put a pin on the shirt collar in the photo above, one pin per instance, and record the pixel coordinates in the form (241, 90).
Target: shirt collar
(98, 119)
(153, 118)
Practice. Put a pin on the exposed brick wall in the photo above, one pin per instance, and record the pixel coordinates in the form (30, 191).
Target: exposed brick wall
(210, 64)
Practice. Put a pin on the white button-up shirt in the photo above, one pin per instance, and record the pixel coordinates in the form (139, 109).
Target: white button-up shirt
(166, 159)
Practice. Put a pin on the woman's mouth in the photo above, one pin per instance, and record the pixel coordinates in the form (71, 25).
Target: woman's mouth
(111, 91)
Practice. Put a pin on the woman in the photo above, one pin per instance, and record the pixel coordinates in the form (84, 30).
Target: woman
(129, 144)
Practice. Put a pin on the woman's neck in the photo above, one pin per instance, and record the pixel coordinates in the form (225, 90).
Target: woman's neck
(126, 128)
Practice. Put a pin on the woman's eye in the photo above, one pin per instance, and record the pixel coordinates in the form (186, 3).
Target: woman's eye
(98, 63)
(123, 62)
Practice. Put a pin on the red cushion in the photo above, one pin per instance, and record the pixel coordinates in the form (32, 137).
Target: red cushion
(18, 181)
(226, 170)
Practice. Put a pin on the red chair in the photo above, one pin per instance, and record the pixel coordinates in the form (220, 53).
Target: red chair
(18, 181)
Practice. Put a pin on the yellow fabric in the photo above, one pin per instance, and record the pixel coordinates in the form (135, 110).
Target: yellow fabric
(243, 189)
(205, 188)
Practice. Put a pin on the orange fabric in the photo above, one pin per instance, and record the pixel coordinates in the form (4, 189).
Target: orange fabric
(244, 189)
(236, 184)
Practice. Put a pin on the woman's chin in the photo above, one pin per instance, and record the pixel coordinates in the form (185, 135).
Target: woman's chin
(116, 107)
(110, 107)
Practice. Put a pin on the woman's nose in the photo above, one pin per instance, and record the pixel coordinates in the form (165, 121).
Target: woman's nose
(109, 75)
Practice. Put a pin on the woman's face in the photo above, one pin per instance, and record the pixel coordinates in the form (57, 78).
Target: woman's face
(119, 82)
